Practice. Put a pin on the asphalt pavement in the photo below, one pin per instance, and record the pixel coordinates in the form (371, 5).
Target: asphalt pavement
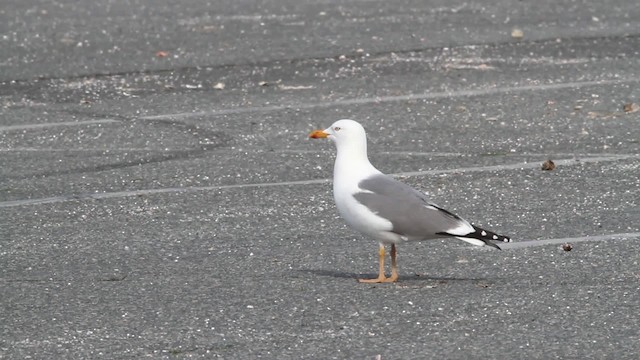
(159, 196)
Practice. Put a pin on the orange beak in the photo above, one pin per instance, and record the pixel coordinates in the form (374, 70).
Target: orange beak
(318, 134)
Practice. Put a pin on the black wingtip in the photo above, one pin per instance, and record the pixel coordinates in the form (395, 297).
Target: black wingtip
(488, 237)
(482, 234)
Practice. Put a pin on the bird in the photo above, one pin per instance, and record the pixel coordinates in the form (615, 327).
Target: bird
(385, 209)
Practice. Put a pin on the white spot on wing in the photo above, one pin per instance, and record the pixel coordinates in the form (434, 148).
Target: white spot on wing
(495, 237)
(483, 233)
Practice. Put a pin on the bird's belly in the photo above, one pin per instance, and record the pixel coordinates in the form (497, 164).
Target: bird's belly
(361, 219)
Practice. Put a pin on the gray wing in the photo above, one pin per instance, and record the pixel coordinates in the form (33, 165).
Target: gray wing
(408, 210)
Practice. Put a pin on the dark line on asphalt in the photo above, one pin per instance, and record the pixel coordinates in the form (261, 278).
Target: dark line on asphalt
(298, 60)
(408, 97)
(141, 192)
(64, 123)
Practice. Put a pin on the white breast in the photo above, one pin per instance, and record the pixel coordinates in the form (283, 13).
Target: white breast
(356, 215)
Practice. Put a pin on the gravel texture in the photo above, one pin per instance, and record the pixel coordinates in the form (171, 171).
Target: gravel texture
(159, 196)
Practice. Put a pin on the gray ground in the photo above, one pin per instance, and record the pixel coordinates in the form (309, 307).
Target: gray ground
(145, 211)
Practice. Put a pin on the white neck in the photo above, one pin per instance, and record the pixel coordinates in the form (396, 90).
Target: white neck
(352, 160)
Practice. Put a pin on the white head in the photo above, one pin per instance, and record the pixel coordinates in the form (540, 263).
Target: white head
(342, 131)
(348, 135)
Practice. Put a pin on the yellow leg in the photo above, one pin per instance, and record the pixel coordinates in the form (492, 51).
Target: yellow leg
(394, 268)
(394, 264)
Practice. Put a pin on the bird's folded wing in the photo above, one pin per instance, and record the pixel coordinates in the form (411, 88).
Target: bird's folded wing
(408, 210)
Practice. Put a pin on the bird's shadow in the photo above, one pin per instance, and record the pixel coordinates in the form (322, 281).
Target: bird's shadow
(402, 278)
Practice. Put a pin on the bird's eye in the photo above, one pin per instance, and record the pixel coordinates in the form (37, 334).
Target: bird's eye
(336, 128)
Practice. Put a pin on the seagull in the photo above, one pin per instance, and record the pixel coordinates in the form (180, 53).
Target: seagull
(384, 208)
